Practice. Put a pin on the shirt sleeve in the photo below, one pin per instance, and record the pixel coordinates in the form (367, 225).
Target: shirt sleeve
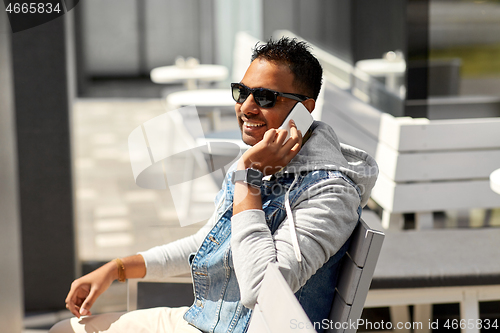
(325, 216)
(172, 259)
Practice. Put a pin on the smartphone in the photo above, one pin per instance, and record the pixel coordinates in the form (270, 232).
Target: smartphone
(302, 118)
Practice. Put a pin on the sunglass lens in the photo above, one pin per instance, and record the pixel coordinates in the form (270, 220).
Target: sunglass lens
(264, 98)
(240, 93)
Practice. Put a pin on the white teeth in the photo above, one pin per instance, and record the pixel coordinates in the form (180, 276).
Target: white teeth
(252, 124)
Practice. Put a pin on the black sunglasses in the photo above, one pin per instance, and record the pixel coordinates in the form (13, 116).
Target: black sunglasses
(265, 98)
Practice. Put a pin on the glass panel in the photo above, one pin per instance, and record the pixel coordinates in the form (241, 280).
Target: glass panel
(464, 60)
(381, 82)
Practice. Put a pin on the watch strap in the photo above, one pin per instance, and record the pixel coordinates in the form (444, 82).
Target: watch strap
(249, 176)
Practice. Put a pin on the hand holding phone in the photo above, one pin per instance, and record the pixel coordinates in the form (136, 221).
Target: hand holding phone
(270, 154)
(302, 118)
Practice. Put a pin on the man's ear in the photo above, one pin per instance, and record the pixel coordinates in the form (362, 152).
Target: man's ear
(310, 104)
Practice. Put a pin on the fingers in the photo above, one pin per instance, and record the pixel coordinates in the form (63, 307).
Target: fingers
(270, 136)
(275, 138)
(71, 301)
(278, 136)
(272, 153)
(87, 304)
(81, 307)
(294, 143)
(294, 131)
(73, 308)
(78, 295)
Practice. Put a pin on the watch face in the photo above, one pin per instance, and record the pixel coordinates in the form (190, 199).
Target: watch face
(254, 177)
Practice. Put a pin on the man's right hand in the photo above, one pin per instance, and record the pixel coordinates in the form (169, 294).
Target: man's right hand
(85, 290)
(272, 153)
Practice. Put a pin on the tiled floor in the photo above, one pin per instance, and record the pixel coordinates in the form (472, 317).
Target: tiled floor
(114, 216)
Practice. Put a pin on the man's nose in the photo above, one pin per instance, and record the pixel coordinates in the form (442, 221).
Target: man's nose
(249, 106)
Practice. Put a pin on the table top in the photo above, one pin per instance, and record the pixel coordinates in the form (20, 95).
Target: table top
(495, 181)
(201, 97)
(170, 74)
(381, 66)
(232, 138)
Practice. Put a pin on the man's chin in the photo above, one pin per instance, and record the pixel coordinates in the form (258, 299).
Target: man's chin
(248, 140)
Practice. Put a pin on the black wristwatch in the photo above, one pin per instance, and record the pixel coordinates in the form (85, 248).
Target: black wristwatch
(250, 176)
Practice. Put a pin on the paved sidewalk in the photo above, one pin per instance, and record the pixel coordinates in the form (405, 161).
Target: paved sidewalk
(114, 216)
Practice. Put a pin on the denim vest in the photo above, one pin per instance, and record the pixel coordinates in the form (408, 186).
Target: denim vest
(217, 306)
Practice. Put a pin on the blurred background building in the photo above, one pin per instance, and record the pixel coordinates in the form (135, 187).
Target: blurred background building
(73, 89)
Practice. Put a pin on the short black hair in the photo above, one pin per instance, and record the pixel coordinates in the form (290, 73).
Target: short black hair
(296, 55)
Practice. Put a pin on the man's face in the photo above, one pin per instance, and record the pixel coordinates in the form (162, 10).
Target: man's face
(253, 120)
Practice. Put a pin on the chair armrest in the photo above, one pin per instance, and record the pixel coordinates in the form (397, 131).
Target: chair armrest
(132, 287)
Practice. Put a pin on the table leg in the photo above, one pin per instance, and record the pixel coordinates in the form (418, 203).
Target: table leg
(469, 311)
(400, 314)
(391, 220)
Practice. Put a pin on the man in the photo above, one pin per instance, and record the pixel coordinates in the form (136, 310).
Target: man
(299, 210)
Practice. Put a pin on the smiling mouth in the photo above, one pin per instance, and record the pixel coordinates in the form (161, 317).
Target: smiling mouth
(252, 124)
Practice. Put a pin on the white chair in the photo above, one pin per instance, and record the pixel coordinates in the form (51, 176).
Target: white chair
(277, 309)
(495, 181)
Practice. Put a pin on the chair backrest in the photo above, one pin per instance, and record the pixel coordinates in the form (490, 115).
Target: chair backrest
(278, 311)
(356, 274)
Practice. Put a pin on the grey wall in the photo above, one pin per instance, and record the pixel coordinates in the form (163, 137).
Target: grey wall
(173, 28)
(42, 104)
(110, 37)
(278, 14)
(350, 29)
(11, 304)
(378, 26)
(323, 22)
(131, 37)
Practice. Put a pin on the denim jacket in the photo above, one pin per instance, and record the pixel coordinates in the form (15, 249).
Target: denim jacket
(217, 306)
